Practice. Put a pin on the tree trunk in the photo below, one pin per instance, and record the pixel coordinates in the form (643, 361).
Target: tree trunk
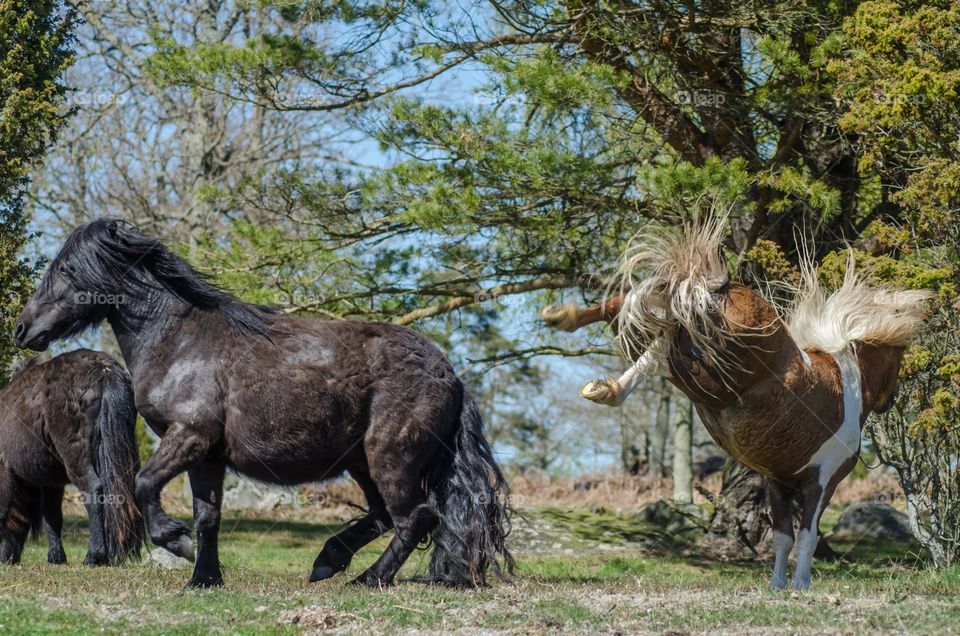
(741, 519)
(662, 427)
(683, 457)
(631, 452)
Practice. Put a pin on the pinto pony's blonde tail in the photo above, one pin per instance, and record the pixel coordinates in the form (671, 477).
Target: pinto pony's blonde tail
(854, 312)
(668, 277)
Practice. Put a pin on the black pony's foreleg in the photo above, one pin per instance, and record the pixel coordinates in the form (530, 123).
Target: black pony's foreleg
(53, 524)
(206, 482)
(180, 449)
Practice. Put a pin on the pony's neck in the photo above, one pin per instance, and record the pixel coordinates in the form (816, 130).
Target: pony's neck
(142, 323)
(758, 350)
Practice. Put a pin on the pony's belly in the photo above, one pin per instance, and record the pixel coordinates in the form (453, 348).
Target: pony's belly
(286, 452)
(36, 466)
(769, 446)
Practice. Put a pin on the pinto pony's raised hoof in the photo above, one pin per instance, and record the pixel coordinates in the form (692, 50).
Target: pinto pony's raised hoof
(606, 391)
(562, 317)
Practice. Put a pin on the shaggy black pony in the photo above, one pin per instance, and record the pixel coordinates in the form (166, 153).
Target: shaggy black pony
(69, 420)
(284, 400)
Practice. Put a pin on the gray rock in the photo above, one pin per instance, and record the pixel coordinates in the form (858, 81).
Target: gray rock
(241, 493)
(872, 521)
(166, 560)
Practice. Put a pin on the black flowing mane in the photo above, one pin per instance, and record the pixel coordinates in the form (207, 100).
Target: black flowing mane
(112, 257)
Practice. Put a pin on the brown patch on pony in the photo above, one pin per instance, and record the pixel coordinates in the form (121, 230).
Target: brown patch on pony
(880, 384)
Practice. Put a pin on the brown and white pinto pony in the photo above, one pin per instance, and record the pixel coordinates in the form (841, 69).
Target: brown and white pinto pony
(786, 398)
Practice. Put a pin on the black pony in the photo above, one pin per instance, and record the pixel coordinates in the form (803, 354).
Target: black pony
(285, 400)
(69, 420)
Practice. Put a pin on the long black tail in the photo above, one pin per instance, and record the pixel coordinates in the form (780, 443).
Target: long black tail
(469, 491)
(117, 462)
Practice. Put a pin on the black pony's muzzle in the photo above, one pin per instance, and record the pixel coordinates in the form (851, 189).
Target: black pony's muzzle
(26, 335)
(18, 331)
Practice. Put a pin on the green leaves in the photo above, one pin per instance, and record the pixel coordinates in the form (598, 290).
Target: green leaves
(35, 38)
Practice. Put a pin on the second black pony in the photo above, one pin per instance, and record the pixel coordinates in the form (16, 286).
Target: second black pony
(285, 400)
(69, 420)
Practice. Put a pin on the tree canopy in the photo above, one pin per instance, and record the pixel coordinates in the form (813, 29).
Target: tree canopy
(35, 37)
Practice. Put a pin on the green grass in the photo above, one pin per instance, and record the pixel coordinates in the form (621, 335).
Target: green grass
(586, 591)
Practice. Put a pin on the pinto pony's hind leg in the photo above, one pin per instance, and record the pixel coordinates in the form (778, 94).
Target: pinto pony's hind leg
(339, 549)
(206, 483)
(53, 524)
(816, 497)
(781, 514)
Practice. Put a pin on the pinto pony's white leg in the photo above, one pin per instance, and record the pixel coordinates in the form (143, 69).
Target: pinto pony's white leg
(613, 392)
(832, 461)
(783, 544)
(806, 545)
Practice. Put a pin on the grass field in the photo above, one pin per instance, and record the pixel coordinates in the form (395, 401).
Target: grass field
(586, 585)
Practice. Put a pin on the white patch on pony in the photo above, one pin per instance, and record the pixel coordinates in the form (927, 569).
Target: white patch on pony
(806, 359)
(782, 543)
(845, 442)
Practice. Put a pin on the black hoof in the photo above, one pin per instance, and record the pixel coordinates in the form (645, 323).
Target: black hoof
(94, 560)
(369, 580)
(56, 558)
(322, 572)
(182, 547)
(202, 580)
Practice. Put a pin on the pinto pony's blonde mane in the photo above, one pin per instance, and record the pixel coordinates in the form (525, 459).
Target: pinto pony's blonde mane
(856, 312)
(668, 277)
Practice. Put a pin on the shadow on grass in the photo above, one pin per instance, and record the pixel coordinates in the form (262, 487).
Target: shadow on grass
(631, 547)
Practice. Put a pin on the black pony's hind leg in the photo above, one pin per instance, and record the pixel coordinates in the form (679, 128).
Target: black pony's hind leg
(413, 520)
(53, 524)
(13, 529)
(206, 482)
(339, 549)
(93, 500)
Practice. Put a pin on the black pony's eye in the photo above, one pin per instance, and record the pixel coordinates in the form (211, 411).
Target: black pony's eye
(67, 269)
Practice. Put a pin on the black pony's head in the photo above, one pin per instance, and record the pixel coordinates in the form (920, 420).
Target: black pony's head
(108, 264)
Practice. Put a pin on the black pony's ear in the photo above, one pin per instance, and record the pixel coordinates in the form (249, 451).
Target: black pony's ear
(113, 229)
